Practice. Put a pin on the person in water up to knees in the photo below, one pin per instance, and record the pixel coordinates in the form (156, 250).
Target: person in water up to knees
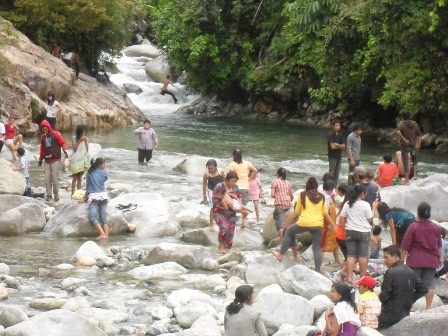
(281, 191)
(165, 91)
(147, 141)
(210, 180)
(96, 196)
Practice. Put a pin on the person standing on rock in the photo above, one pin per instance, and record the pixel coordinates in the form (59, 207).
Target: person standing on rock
(76, 63)
(400, 289)
(12, 138)
(96, 196)
(421, 248)
(335, 144)
(164, 89)
(409, 134)
(147, 141)
(79, 160)
(53, 109)
(226, 219)
(281, 191)
(245, 171)
(308, 215)
(51, 143)
(353, 150)
(210, 180)
(240, 318)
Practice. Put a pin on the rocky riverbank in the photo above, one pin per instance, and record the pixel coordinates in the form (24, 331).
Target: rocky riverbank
(29, 72)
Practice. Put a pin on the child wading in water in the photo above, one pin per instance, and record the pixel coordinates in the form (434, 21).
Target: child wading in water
(210, 180)
(255, 193)
(96, 196)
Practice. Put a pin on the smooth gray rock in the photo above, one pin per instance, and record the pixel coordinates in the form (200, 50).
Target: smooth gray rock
(157, 68)
(11, 315)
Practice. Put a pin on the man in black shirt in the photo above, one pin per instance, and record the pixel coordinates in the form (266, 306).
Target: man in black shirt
(335, 143)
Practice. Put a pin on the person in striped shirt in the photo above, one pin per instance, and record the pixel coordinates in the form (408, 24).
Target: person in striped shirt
(369, 306)
(281, 191)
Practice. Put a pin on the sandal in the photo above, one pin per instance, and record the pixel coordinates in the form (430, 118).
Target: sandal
(47, 198)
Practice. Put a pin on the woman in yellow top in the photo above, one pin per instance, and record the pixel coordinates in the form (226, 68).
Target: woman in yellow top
(309, 215)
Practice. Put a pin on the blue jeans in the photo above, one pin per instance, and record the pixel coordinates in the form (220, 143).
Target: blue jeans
(98, 209)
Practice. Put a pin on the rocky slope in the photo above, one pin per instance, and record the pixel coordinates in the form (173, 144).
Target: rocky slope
(29, 72)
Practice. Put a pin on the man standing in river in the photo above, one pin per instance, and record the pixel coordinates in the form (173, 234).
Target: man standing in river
(353, 151)
(335, 143)
(409, 134)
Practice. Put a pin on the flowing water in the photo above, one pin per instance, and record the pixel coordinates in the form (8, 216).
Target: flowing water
(301, 150)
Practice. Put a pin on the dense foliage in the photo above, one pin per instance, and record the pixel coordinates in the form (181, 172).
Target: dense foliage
(349, 55)
(90, 26)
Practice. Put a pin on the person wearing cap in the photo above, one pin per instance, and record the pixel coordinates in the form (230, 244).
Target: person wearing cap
(245, 171)
(354, 150)
(12, 138)
(335, 145)
(421, 248)
(399, 290)
(369, 306)
(22, 167)
(51, 143)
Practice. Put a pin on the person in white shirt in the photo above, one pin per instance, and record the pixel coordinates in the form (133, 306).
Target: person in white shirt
(357, 217)
(22, 167)
(2, 135)
(53, 109)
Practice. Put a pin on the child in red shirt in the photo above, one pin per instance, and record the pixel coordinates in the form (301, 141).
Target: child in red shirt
(387, 172)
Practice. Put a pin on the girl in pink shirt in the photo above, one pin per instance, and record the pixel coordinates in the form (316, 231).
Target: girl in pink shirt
(255, 193)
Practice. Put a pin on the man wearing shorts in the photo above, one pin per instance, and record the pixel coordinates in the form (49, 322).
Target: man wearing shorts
(410, 138)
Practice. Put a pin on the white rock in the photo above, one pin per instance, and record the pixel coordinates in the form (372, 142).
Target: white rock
(76, 303)
(71, 282)
(3, 293)
(157, 68)
(366, 331)
(189, 313)
(11, 181)
(163, 270)
(205, 325)
(104, 315)
(25, 218)
(11, 315)
(203, 282)
(86, 261)
(4, 269)
(157, 328)
(291, 330)
(191, 214)
(275, 308)
(145, 50)
(161, 312)
(441, 288)
(303, 281)
(47, 303)
(420, 304)
(65, 267)
(182, 297)
(55, 322)
(321, 303)
(89, 250)
(209, 264)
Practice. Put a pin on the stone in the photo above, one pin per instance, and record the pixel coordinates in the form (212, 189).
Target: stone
(262, 270)
(195, 166)
(366, 331)
(163, 270)
(55, 322)
(303, 281)
(188, 256)
(275, 308)
(47, 303)
(420, 304)
(321, 303)
(22, 219)
(3, 293)
(11, 315)
(182, 297)
(142, 50)
(441, 288)
(89, 250)
(291, 330)
(161, 312)
(203, 281)
(209, 264)
(65, 267)
(158, 327)
(246, 239)
(422, 323)
(192, 214)
(4, 269)
(205, 325)
(8, 202)
(269, 230)
(432, 189)
(76, 303)
(108, 316)
(71, 282)
(158, 68)
(72, 221)
(153, 216)
(189, 313)
(132, 88)
(32, 72)
(11, 181)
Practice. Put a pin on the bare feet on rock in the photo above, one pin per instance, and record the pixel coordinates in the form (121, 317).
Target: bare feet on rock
(278, 255)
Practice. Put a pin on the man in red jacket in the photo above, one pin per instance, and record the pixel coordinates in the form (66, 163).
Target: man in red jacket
(51, 143)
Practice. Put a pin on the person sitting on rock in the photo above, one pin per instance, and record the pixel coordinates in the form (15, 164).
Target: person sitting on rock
(102, 76)
(164, 90)
(12, 138)
(387, 172)
(240, 318)
(400, 289)
(369, 307)
(343, 318)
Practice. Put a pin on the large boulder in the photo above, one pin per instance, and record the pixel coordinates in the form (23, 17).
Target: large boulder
(441, 288)
(269, 229)
(158, 271)
(420, 304)
(157, 68)
(11, 315)
(183, 297)
(427, 323)
(8, 202)
(194, 166)
(305, 282)
(141, 50)
(277, 307)
(191, 214)
(55, 322)
(261, 270)
(291, 330)
(72, 221)
(11, 181)
(245, 239)
(89, 251)
(433, 189)
(186, 255)
(186, 315)
(321, 303)
(152, 217)
(25, 218)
